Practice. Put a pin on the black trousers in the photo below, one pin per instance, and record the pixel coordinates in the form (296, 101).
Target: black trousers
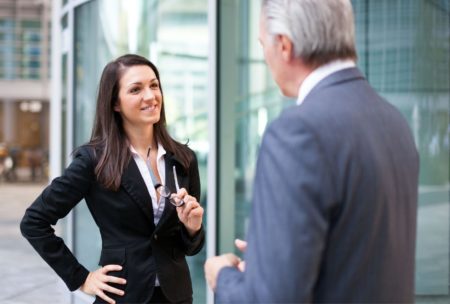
(159, 297)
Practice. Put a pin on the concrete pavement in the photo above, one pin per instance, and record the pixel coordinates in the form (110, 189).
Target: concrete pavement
(25, 277)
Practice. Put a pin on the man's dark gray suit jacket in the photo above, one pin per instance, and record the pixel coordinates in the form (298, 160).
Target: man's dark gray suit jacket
(334, 204)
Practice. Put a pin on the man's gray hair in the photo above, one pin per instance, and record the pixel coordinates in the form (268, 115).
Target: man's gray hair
(321, 30)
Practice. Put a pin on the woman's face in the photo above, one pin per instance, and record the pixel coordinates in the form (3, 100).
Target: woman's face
(140, 98)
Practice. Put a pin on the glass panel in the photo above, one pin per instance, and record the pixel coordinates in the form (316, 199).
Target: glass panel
(405, 47)
(88, 65)
(174, 35)
(63, 144)
(180, 49)
(64, 21)
(87, 241)
(8, 49)
(63, 111)
(431, 115)
(31, 24)
(249, 100)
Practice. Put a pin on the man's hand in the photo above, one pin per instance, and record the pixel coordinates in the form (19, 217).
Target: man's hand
(242, 246)
(213, 266)
(96, 283)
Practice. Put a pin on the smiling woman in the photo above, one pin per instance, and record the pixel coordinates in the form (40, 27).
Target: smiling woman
(173, 35)
(118, 172)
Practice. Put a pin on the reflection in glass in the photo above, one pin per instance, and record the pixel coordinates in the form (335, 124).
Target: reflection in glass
(180, 49)
(248, 101)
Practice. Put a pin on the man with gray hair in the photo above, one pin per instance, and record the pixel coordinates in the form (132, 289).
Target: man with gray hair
(335, 194)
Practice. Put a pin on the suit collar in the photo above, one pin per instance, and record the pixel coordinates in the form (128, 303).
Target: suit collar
(339, 77)
(321, 73)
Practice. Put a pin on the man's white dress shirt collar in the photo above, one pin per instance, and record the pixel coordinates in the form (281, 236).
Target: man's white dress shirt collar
(320, 73)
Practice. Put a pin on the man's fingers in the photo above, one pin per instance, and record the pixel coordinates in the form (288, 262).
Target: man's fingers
(241, 266)
(232, 258)
(240, 244)
(213, 265)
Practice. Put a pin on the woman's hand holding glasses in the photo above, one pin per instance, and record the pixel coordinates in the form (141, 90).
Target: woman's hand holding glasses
(190, 213)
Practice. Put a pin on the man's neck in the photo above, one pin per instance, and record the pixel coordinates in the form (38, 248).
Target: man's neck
(299, 73)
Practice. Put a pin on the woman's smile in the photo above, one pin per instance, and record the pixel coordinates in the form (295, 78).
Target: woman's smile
(149, 108)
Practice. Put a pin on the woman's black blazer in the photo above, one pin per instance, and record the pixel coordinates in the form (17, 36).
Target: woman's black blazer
(125, 221)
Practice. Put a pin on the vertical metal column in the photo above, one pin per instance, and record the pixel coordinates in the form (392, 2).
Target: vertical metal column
(212, 126)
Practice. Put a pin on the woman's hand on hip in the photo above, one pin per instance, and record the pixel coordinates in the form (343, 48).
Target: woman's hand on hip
(97, 283)
(190, 213)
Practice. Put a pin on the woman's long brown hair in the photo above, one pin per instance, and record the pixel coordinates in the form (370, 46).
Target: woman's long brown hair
(108, 135)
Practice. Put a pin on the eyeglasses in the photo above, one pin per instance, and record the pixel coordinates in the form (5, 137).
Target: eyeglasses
(164, 191)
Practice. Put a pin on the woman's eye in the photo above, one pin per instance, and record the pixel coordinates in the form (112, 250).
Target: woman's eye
(134, 90)
(154, 86)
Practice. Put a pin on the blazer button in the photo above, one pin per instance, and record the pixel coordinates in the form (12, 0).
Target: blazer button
(155, 236)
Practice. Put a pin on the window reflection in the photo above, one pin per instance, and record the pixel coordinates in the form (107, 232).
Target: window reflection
(406, 58)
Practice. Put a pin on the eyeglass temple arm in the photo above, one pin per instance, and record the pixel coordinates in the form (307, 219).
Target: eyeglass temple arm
(177, 186)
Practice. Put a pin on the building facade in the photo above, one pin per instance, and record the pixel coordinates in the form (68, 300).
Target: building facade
(24, 81)
(219, 96)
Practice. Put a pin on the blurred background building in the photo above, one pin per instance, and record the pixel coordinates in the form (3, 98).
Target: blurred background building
(220, 96)
(24, 88)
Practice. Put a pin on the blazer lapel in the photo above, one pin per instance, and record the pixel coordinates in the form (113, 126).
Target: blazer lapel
(133, 183)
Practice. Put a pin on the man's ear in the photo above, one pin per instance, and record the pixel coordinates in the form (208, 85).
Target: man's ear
(286, 47)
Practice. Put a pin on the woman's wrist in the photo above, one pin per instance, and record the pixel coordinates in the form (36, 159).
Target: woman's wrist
(193, 232)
